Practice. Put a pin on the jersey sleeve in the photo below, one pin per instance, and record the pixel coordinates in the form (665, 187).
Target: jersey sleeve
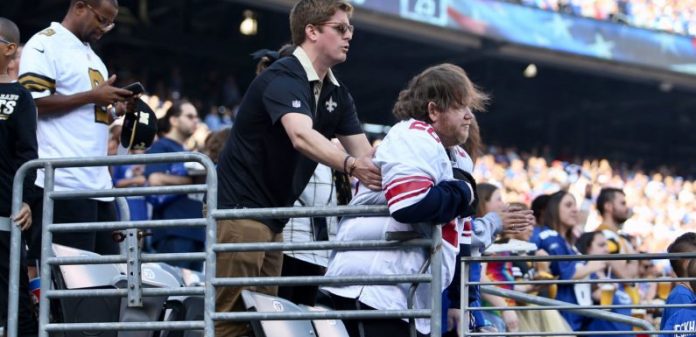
(285, 94)
(37, 71)
(412, 161)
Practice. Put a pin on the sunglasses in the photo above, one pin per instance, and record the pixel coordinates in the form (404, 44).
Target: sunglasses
(339, 27)
(104, 23)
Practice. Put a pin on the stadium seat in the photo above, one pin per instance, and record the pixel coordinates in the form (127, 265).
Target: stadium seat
(85, 310)
(254, 301)
(327, 327)
(153, 276)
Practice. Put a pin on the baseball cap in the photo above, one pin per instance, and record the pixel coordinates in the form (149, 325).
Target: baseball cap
(139, 127)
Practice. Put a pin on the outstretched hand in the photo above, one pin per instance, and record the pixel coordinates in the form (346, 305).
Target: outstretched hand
(368, 173)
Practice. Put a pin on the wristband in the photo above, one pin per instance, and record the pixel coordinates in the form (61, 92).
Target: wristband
(345, 162)
(352, 167)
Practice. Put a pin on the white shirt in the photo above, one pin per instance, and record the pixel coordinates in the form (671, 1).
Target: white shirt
(320, 191)
(56, 62)
(412, 160)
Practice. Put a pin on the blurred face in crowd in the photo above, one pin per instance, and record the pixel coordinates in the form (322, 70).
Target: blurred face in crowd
(496, 203)
(451, 125)
(333, 38)
(620, 210)
(96, 19)
(647, 268)
(568, 211)
(187, 122)
(598, 246)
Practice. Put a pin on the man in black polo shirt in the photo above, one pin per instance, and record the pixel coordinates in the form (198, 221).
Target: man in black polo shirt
(282, 129)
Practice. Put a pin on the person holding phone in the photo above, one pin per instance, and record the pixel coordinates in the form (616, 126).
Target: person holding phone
(76, 100)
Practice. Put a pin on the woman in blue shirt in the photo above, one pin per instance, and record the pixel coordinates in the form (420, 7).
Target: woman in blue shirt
(556, 238)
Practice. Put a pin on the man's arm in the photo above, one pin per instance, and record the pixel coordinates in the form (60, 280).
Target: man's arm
(163, 179)
(103, 95)
(315, 146)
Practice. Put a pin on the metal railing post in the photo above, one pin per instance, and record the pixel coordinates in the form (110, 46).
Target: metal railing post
(436, 282)
(464, 299)
(46, 240)
(211, 257)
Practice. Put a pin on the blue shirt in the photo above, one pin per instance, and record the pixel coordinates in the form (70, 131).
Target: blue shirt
(179, 206)
(683, 319)
(136, 204)
(679, 295)
(553, 243)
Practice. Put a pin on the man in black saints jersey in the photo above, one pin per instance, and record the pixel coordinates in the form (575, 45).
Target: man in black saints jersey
(17, 146)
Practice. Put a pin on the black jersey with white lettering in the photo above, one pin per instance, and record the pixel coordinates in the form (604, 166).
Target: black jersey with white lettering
(17, 140)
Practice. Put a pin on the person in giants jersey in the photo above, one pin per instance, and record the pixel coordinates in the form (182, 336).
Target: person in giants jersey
(424, 175)
(76, 102)
(683, 319)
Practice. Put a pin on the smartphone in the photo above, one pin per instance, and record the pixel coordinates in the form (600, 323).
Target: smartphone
(136, 88)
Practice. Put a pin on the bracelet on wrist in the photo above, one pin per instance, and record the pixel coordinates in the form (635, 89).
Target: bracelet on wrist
(345, 164)
(352, 167)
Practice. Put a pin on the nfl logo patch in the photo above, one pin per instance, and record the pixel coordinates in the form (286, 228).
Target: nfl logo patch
(296, 104)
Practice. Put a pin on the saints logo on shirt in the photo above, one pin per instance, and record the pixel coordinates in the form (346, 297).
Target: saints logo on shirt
(7, 105)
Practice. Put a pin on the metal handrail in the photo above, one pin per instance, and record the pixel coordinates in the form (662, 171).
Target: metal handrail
(133, 258)
(548, 303)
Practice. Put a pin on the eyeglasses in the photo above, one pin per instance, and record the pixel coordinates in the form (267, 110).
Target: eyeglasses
(340, 27)
(104, 23)
(5, 41)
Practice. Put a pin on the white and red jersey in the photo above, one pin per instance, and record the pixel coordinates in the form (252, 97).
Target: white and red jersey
(412, 160)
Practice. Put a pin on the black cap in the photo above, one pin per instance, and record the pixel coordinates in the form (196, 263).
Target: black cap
(139, 127)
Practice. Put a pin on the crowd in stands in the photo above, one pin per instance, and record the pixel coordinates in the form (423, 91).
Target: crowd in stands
(662, 204)
(676, 16)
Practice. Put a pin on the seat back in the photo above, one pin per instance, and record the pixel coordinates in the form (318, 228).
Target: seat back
(153, 275)
(254, 301)
(327, 327)
(88, 309)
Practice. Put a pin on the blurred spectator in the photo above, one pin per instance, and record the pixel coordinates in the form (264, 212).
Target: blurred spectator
(676, 16)
(215, 142)
(682, 293)
(213, 119)
(555, 237)
(611, 205)
(180, 123)
(595, 243)
(648, 290)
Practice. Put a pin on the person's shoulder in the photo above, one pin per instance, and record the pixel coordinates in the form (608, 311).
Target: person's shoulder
(416, 131)
(681, 295)
(48, 36)
(545, 232)
(287, 66)
(160, 145)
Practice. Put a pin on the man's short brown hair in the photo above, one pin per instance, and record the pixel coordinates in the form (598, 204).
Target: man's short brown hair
(446, 85)
(314, 12)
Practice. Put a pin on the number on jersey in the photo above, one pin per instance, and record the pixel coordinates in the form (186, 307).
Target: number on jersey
(100, 113)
